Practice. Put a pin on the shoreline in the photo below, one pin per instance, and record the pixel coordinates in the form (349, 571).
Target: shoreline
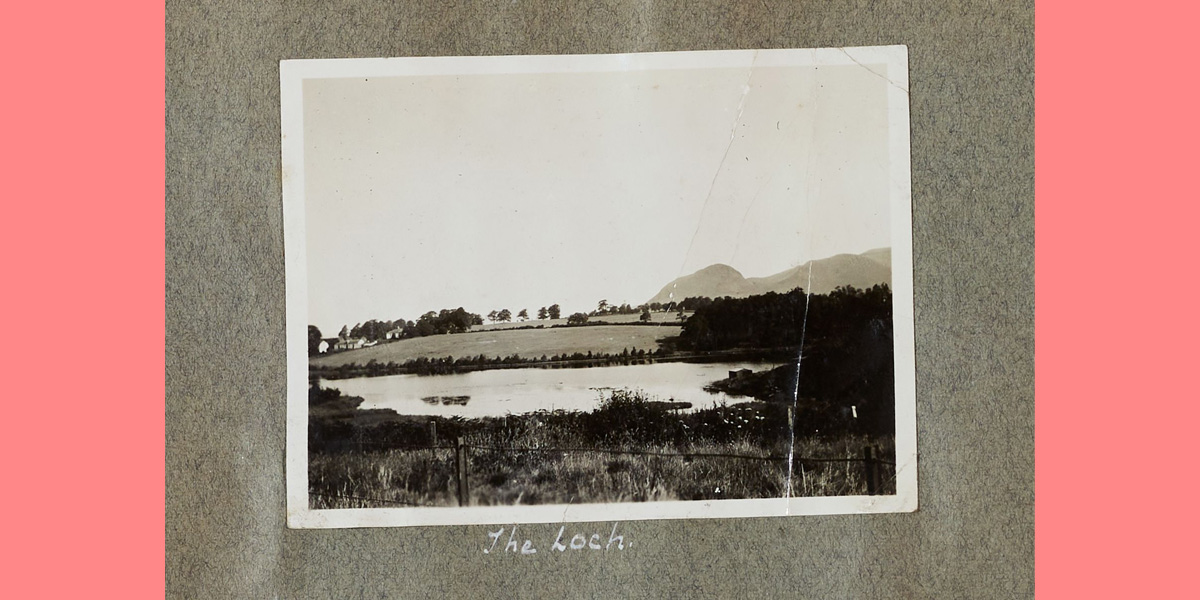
(442, 366)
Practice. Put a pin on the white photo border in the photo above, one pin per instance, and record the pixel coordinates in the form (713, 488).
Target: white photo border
(292, 74)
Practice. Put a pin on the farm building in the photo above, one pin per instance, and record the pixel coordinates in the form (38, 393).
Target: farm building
(351, 343)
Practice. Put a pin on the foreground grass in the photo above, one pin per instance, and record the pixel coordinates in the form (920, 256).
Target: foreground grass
(528, 343)
(535, 458)
(392, 478)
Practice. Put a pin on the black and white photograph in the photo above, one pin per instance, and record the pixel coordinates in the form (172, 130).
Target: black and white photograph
(598, 287)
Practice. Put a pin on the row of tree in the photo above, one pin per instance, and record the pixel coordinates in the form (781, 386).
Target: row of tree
(447, 320)
(603, 308)
(772, 319)
(458, 320)
(505, 316)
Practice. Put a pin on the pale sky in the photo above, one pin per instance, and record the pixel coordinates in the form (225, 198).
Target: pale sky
(521, 191)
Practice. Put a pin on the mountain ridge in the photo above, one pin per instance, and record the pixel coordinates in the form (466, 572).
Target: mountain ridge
(819, 276)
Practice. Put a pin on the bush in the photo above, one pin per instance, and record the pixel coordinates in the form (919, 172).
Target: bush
(626, 417)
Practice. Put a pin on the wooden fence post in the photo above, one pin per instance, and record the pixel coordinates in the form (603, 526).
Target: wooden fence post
(433, 433)
(460, 470)
(870, 471)
(803, 481)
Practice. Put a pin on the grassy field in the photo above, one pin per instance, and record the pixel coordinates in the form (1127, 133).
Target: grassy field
(527, 343)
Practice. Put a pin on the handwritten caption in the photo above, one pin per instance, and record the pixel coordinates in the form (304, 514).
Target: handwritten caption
(583, 541)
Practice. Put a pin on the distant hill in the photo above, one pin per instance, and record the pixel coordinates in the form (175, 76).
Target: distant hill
(715, 281)
(858, 270)
(881, 255)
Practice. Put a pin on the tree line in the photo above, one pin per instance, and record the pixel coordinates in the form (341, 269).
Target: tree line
(458, 320)
(774, 319)
(847, 354)
(447, 320)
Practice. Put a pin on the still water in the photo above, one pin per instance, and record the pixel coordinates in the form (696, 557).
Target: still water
(514, 391)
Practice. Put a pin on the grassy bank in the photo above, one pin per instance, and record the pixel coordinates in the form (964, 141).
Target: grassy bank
(451, 365)
(377, 460)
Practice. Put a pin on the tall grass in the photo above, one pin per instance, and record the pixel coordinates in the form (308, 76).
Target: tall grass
(539, 458)
(381, 479)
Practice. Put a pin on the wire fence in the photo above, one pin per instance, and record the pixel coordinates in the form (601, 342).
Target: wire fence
(769, 457)
(554, 449)
(871, 461)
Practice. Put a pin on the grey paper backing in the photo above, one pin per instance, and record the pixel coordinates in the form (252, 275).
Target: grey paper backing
(971, 74)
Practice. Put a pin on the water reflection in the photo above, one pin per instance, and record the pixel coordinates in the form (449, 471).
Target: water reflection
(514, 391)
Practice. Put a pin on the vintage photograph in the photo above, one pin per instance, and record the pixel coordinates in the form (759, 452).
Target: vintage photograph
(598, 287)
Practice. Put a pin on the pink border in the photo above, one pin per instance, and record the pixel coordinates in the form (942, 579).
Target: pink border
(83, 248)
(83, 256)
(1117, 401)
